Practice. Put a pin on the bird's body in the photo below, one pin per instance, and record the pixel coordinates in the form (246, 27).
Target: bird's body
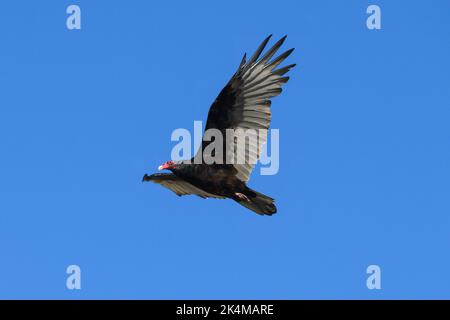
(216, 179)
(244, 103)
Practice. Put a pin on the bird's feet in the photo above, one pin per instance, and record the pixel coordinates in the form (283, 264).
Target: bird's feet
(241, 196)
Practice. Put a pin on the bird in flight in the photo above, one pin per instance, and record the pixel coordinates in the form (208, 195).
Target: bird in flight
(244, 103)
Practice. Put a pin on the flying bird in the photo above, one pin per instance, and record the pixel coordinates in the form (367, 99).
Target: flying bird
(244, 103)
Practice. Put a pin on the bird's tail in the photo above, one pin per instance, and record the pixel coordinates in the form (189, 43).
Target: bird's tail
(258, 202)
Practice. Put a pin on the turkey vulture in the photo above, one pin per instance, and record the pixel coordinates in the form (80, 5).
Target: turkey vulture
(244, 103)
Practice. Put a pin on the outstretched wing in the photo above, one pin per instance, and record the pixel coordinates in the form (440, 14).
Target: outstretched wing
(244, 103)
(178, 185)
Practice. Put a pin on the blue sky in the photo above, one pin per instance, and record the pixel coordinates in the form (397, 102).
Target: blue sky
(364, 155)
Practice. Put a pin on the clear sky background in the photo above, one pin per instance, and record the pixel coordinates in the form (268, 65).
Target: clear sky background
(364, 160)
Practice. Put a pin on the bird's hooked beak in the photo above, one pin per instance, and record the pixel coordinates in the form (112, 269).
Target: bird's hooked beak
(167, 165)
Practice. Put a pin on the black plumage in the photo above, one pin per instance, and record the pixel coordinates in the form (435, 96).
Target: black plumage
(244, 103)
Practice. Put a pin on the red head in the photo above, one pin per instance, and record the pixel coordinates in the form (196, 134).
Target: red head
(167, 165)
